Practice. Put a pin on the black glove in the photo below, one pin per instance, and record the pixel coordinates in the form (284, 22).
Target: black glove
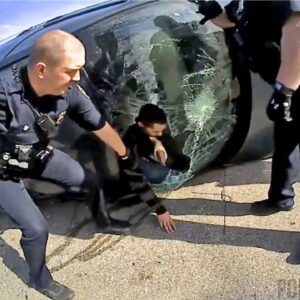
(279, 106)
(209, 9)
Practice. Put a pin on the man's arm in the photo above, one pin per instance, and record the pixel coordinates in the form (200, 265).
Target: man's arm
(288, 77)
(289, 71)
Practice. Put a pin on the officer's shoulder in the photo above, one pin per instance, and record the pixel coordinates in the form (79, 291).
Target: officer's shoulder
(4, 76)
(77, 91)
(10, 80)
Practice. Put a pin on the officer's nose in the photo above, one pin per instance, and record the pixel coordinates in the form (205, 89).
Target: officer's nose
(76, 77)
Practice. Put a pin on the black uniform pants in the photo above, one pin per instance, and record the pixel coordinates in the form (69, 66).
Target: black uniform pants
(286, 157)
(18, 205)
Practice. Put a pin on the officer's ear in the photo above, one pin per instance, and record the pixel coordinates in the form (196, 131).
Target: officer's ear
(41, 68)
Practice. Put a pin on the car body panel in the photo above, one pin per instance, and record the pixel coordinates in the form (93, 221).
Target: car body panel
(125, 22)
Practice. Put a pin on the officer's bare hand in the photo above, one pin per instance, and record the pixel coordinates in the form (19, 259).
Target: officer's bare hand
(166, 222)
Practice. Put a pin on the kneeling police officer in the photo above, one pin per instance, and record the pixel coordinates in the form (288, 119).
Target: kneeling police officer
(268, 33)
(33, 102)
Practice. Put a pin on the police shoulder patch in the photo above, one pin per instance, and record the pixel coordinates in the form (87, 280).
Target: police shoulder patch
(82, 91)
(61, 117)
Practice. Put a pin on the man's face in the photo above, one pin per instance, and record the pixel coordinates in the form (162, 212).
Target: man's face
(154, 130)
(57, 79)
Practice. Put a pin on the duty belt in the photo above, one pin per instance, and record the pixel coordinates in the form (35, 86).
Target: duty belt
(23, 159)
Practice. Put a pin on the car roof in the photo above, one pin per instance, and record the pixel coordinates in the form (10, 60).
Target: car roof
(19, 47)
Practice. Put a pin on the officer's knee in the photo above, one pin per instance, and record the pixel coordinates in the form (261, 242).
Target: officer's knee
(37, 231)
(79, 177)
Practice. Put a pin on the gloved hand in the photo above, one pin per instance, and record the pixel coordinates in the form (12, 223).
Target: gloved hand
(278, 108)
(209, 9)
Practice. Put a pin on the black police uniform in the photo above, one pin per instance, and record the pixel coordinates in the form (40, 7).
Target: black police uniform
(25, 152)
(259, 31)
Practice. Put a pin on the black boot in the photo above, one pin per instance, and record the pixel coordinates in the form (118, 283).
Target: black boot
(105, 223)
(57, 291)
(268, 207)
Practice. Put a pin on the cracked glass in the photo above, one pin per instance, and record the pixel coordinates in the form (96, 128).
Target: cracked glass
(159, 53)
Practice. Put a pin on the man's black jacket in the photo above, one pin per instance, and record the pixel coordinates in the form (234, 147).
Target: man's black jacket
(139, 143)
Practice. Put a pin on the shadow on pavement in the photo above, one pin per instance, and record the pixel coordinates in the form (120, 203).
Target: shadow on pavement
(73, 221)
(208, 207)
(254, 172)
(12, 260)
(208, 234)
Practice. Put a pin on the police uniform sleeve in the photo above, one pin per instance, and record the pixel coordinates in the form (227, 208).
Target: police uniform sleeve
(3, 109)
(83, 111)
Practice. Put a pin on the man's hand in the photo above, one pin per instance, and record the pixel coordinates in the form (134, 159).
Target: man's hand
(278, 108)
(166, 222)
(209, 9)
(160, 152)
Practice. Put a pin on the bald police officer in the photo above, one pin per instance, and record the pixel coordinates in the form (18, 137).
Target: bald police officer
(269, 34)
(33, 102)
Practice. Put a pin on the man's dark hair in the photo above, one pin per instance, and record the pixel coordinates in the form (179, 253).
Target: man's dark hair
(150, 114)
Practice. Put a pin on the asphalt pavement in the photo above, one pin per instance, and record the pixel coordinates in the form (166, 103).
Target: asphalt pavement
(219, 251)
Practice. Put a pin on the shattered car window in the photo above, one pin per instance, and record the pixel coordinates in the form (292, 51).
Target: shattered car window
(159, 53)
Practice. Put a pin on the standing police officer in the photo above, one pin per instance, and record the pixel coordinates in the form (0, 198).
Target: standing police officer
(269, 34)
(33, 102)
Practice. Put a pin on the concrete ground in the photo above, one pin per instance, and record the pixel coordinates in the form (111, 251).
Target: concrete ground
(220, 250)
